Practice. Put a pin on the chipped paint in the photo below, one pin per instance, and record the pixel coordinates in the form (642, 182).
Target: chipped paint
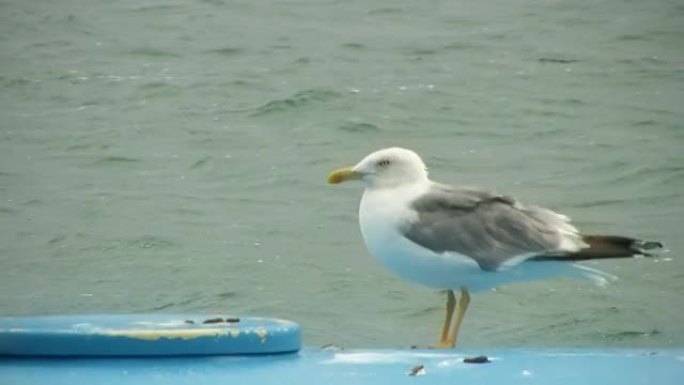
(234, 332)
(82, 326)
(283, 321)
(153, 335)
(451, 362)
(262, 333)
(143, 323)
(172, 323)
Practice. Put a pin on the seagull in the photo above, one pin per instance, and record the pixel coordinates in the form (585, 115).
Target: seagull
(466, 239)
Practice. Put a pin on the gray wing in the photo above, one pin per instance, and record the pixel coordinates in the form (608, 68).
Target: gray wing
(489, 228)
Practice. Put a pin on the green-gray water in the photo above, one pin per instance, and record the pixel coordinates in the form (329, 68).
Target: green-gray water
(171, 156)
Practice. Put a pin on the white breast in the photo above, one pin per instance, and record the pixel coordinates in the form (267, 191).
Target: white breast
(382, 214)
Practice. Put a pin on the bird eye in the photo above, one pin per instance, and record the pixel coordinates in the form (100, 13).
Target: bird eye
(383, 163)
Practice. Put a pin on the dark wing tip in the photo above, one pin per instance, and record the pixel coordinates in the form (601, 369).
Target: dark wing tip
(609, 246)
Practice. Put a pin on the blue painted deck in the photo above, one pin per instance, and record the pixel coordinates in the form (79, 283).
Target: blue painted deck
(312, 366)
(209, 349)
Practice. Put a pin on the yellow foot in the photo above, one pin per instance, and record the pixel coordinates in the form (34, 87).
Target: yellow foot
(441, 345)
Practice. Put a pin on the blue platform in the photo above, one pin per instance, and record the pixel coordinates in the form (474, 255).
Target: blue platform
(146, 335)
(306, 366)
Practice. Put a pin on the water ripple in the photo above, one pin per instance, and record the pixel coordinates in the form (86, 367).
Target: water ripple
(298, 100)
(227, 51)
(628, 335)
(152, 52)
(358, 127)
(202, 162)
(112, 160)
(149, 242)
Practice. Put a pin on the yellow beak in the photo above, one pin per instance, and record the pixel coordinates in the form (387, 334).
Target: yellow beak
(343, 174)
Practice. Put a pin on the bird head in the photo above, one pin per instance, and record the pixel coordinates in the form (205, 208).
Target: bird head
(389, 167)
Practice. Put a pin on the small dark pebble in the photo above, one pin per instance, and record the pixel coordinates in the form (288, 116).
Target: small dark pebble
(219, 320)
(189, 321)
(476, 360)
(416, 370)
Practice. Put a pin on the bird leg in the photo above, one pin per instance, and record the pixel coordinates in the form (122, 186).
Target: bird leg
(463, 302)
(450, 307)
